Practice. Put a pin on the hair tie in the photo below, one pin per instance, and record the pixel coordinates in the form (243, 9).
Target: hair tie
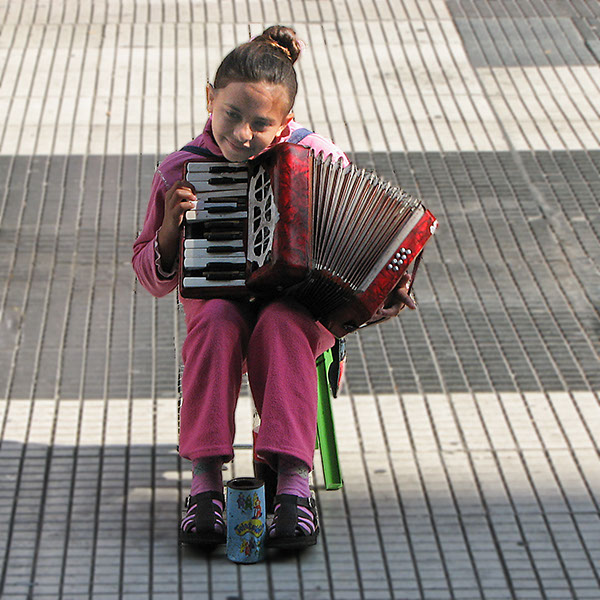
(280, 47)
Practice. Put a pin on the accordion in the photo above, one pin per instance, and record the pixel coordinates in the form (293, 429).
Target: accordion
(293, 223)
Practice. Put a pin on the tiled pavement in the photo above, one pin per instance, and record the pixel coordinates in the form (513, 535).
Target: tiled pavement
(469, 431)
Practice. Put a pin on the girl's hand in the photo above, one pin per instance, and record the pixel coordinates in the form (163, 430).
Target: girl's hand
(399, 298)
(178, 200)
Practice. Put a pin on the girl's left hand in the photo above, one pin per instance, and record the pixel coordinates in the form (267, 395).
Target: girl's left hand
(396, 301)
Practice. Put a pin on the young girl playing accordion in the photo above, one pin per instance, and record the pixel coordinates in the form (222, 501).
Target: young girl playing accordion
(250, 109)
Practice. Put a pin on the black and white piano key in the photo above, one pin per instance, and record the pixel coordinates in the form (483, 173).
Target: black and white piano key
(209, 244)
(199, 282)
(219, 262)
(194, 216)
(215, 185)
(216, 167)
(240, 195)
(214, 253)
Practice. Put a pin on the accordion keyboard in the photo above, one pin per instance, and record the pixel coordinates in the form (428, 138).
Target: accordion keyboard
(214, 231)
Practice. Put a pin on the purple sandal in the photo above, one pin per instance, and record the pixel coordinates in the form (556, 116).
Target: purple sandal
(203, 523)
(295, 523)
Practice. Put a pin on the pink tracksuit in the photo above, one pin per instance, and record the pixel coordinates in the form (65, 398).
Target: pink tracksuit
(277, 344)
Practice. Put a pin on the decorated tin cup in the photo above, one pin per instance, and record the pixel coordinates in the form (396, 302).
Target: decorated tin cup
(246, 520)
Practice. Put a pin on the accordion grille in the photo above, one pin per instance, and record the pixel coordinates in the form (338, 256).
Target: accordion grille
(357, 217)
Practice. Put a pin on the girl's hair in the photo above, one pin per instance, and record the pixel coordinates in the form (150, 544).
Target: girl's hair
(269, 57)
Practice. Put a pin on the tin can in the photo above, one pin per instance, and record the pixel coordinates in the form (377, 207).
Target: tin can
(246, 520)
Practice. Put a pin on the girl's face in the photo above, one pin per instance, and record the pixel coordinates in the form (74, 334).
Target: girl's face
(247, 117)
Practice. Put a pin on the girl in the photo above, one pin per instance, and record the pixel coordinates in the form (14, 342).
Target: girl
(250, 109)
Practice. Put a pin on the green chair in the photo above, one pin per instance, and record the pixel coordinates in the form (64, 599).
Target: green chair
(328, 373)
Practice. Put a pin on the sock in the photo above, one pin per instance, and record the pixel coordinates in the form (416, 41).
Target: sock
(207, 475)
(292, 477)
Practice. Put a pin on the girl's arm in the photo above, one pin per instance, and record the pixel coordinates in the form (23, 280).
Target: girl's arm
(156, 248)
(178, 200)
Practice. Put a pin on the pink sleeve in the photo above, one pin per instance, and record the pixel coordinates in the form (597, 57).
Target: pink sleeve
(316, 142)
(145, 258)
(321, 144)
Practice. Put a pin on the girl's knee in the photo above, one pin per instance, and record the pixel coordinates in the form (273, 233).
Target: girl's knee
(218, 314)
(223, 322)
(285, 312)
(287, 320)
(217, 333)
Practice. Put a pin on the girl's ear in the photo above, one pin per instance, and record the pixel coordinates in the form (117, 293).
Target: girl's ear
(210, 96)
(285, 122)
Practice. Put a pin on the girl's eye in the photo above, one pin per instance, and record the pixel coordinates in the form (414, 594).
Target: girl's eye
(260, 126)
(231, 115)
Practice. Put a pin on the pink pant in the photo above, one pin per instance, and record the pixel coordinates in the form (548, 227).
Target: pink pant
(278, 348)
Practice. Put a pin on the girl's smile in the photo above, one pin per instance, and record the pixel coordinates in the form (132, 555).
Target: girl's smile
(247, 117)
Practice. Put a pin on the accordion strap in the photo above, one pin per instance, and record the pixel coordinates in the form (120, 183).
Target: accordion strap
(416, 264)
(298, 135)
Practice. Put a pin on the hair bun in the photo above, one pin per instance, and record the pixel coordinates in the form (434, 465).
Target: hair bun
(285, 38)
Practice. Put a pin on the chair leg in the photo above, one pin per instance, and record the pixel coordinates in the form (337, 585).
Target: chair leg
(326, 440)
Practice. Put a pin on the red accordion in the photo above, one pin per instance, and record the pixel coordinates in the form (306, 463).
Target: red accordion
(291, 223)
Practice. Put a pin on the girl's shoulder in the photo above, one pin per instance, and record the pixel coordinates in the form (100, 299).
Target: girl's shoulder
(315, 141)
(171, 167)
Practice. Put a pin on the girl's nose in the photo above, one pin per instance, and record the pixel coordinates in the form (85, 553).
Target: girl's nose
(243, 133)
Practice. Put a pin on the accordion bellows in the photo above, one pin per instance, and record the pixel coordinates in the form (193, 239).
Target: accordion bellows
(291, 223)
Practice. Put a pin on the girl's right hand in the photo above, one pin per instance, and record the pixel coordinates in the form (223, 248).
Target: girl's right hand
(178, 200)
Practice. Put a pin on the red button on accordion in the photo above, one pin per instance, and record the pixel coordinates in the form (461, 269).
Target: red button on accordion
(292, 223)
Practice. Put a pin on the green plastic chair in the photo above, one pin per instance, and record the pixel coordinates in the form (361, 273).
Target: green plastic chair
(328, 369)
